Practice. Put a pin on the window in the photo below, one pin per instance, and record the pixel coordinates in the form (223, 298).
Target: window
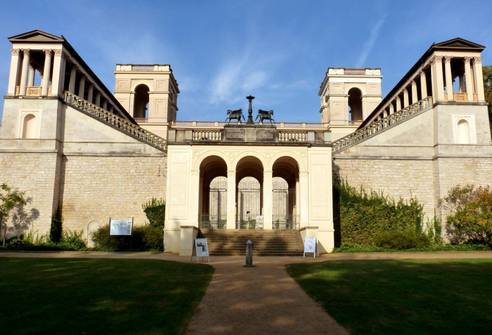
(29, 126)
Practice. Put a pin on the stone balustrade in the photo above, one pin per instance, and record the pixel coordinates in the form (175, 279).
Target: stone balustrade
(114, 121)
(382, 124)
(292, 136)
(206, 135)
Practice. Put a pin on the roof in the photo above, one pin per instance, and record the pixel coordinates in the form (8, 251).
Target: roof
(39, 36)
(454, 44)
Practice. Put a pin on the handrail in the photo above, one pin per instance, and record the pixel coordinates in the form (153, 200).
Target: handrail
(115, 121)
(378, 126)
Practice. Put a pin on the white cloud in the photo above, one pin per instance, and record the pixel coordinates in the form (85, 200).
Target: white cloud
(369, 44)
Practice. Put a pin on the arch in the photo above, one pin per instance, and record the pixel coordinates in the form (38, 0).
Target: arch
(249, 191)
(249, 166)
(29, 126)
(141, 102)
(463, 132)
(213, 192)
(285, 172)
(355, 104)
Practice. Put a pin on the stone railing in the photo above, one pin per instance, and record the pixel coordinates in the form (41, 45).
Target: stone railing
(114, 121)
(378, 126)
(207, 135)
(292, 136)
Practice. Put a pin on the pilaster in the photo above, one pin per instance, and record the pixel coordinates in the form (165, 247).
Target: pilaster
(267, 199)
(231, 199)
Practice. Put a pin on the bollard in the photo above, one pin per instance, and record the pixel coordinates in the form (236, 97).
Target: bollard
(249, 254)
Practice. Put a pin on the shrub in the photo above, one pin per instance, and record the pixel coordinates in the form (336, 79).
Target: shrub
(146, 237)
(72, 240)
(365, 217)
(155, 210)
(56, 227)
(402, 240)
(470, 214)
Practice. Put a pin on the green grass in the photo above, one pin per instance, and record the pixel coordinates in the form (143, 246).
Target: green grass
(431, 248)
(403, 297)
(89, 296)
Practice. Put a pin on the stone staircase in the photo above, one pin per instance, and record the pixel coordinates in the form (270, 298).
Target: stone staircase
(266, 242)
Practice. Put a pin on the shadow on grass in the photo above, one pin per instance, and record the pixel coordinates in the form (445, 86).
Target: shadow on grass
(89, 296)
(403, 297)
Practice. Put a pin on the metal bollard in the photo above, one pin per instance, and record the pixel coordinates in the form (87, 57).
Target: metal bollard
(249, 254)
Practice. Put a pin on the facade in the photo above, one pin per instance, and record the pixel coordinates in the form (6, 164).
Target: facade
(75, 146)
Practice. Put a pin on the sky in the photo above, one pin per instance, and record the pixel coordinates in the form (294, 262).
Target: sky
(223, 50)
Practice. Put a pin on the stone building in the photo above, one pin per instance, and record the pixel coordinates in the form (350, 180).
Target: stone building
(74, 145)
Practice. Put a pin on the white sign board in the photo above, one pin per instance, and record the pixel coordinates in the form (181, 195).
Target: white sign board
(310, 245)
(120, 227)
(201, 247)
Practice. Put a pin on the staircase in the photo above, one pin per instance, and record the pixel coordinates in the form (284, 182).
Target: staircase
(265, 242)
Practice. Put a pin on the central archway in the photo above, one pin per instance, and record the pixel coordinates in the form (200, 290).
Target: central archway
(249, 193)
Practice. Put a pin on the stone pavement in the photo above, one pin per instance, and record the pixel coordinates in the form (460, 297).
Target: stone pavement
(259, 300)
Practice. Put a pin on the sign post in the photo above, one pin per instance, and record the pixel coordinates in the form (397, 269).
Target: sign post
(310, 246)
(120, 227)
(201, 248)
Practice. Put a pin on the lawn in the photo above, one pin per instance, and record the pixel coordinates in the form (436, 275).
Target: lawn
(96, 296)
(403, 297)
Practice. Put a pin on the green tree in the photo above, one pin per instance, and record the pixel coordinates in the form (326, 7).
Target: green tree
(487, 80)
(9, 200)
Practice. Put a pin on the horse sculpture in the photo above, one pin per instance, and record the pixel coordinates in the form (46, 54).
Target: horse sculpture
(236, 114)
(265, 115)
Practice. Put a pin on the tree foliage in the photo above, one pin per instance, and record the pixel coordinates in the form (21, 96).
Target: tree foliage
(10, 199)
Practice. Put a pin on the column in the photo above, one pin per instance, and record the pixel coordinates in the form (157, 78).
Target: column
(14, 72)
(468, 80)
(423, 85)
(46, 73)
(58, 73)
(98, 99)
(90, 92)
(231, 199)
(105, 105)
(398, 103)
(71, 83)
(437, 79)
(82, 87)
(304, 203)
(478, 75)
(30, 76)
(25, 68)
(267, 199)
(405, 97)
(415, 96)
(392, 108)
(194, 217)
(449, 78)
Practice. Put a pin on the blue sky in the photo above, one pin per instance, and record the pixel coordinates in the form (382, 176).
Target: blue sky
(278, 51)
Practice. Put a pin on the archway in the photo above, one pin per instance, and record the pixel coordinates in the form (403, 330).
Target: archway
(355, 104)
(249, 193)
(213, 193)
(141, 103)
(285, 211)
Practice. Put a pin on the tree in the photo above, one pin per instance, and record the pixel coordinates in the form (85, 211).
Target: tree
(9, 200)
(487, 80)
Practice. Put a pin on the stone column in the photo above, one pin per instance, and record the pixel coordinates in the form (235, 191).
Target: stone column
(98, 99)
(25, 69)
(478, 75)
(423, 85)
(58, 73)
(391, 109)
(105, 105)
(267, 199)
(30, 76)
(46, 73)
(398, 103)
(415, 96)
(71, 83)
(194, 218)
(405, 97)
(90, 92)
(449, 79)
(468, 80)
(14, 72)
(304, 195)
(231, 199)
(82, 87)
(437, 79)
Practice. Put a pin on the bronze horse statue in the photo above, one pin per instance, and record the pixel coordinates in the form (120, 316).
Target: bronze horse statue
(236, 114)
(265, 115)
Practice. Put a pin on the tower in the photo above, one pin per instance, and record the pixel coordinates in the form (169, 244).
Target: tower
(348, 96)
(149, 93)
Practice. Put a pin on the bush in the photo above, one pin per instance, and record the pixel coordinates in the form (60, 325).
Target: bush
(155, 210)
(402, 240)
(143, 238)
(56, 227)
(366, 219)
(470, 214)
(30, 242)
(72, 240)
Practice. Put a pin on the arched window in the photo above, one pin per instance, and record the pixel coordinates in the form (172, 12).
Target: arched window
(463, 132)
(141, 104)
(355, 104)
(29, 126)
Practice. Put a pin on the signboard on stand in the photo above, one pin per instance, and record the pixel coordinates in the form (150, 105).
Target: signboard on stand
(310, 246)
(120, 227)
(201, 247)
